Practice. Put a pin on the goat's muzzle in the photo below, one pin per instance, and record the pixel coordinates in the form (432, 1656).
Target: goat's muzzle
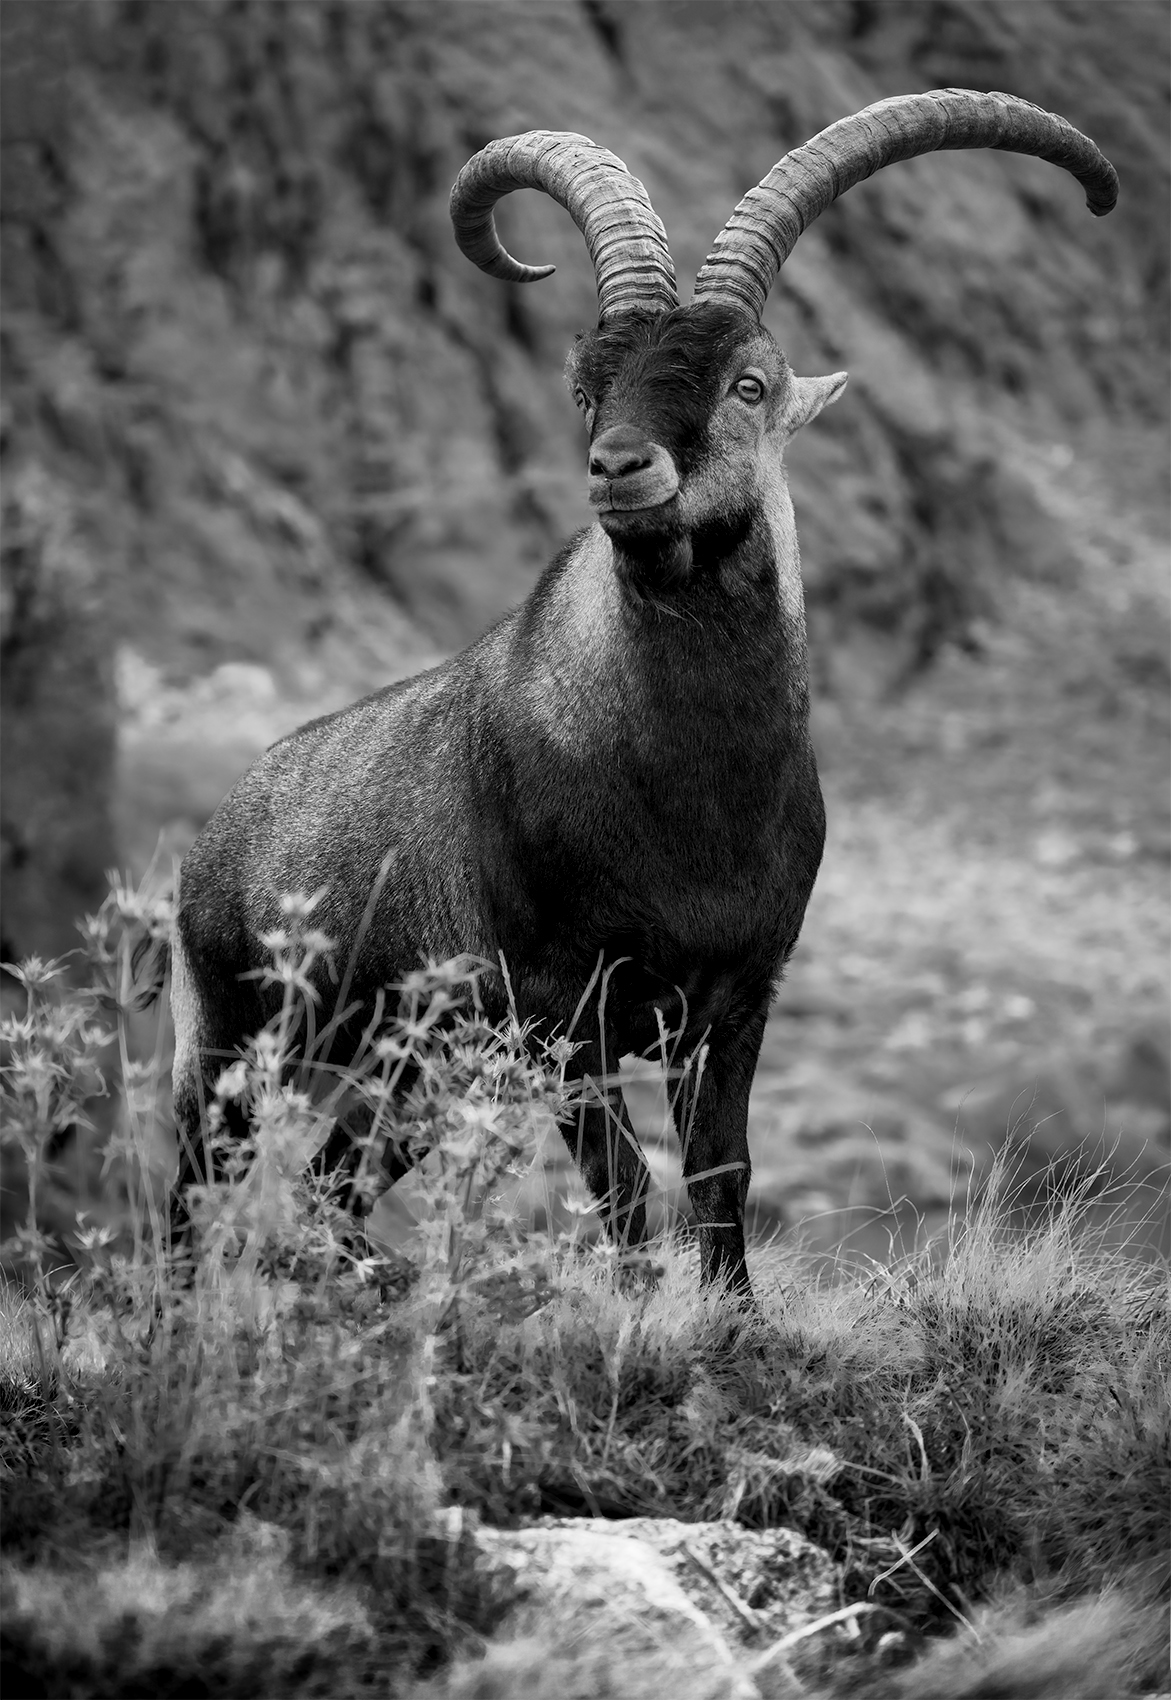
(628, 473)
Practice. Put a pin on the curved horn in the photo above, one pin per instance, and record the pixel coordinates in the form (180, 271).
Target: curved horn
(762, 231)
(625, 236)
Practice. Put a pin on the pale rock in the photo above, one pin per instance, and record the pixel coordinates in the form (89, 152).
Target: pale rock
(645, 1606)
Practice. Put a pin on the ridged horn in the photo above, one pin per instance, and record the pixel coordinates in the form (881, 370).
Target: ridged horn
(763, 230)
(624, 234)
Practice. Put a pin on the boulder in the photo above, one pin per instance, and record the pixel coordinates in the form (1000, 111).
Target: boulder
(647, 1606)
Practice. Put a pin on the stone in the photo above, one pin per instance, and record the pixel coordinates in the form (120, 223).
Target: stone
(645, 1606)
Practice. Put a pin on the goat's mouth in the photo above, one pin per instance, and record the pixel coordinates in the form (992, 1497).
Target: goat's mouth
(653, 519)
(639, 492)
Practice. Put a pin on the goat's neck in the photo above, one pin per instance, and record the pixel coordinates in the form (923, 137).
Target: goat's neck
(697, 698)
(726, 645)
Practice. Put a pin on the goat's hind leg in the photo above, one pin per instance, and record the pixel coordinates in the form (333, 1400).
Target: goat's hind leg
(194, 1093)
(208, 1036)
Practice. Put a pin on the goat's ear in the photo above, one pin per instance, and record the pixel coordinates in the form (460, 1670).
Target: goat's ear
(807, 397)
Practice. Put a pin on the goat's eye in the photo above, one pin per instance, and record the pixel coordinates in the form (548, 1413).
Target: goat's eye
(750, 390)
(582, 400)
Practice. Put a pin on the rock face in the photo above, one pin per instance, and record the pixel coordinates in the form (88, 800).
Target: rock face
(57, 713)
(296, 431)
(57, 721)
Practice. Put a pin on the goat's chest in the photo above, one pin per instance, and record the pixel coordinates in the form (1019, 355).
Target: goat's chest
(670, 812)
(677, 858)
(699, 799)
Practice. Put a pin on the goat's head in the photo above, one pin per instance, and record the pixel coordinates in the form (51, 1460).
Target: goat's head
(688, 413)
(689, 408)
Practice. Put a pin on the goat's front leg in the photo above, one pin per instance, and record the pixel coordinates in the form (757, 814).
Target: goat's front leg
(712, 1123)
(605, 1147)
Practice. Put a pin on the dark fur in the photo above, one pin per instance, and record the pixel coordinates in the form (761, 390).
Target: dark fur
(663, 372)
(680, 825)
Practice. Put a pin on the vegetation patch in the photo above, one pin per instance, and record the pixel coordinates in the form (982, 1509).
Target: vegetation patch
(254, 1463)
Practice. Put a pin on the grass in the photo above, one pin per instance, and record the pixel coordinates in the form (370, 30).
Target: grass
(255, 1468)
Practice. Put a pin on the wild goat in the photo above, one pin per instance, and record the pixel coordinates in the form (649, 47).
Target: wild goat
(620, 770)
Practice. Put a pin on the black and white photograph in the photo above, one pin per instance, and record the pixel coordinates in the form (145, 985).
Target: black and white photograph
(585, 744)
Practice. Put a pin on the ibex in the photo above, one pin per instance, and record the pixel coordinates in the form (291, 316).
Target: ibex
(620, 770)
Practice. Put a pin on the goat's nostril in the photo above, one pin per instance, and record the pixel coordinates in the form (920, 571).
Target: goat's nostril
(617, 463)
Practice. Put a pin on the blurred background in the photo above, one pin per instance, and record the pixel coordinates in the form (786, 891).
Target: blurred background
(269, 442)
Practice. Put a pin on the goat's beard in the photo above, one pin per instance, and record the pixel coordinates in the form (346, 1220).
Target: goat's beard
(653, 564)
(656, 558)
(652, 547)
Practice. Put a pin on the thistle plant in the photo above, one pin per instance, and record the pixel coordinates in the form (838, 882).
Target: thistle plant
(434, 1080)
(52, 1070)
(480, 1101)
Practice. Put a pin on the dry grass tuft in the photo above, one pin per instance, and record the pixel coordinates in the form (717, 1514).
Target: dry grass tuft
(237, 1621)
